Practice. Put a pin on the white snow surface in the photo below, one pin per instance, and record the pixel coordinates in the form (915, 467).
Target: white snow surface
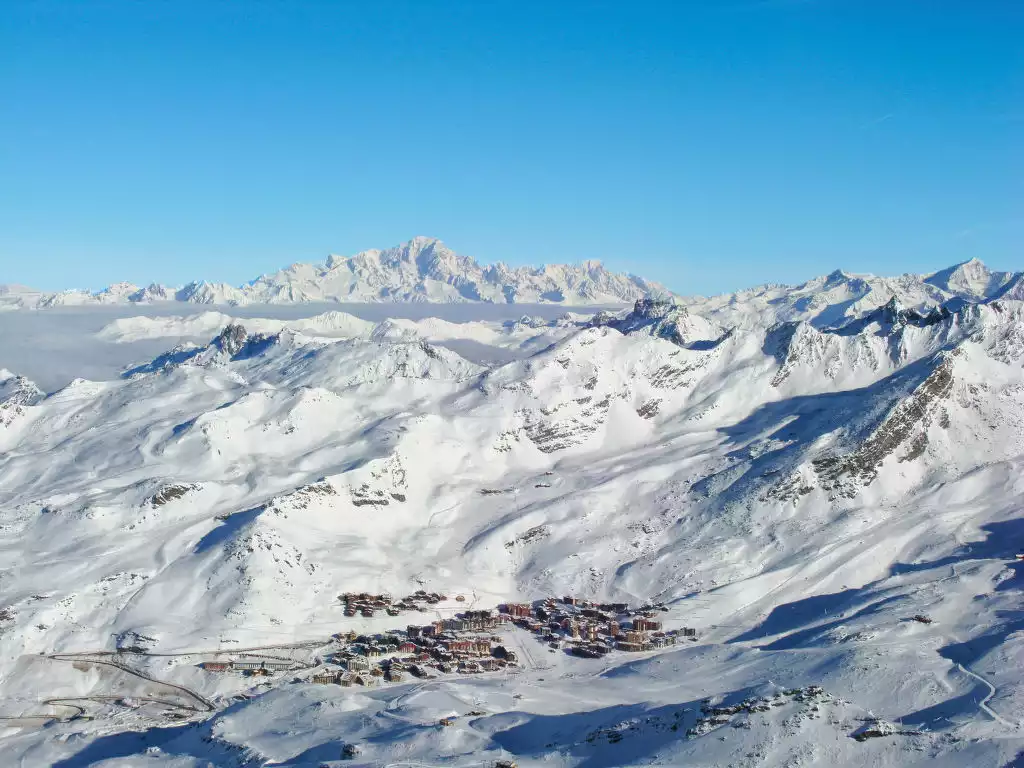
(798, 490)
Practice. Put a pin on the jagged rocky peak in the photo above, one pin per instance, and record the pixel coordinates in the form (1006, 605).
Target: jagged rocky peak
(664, 318)
(892, 310)
(646, 311)
(895, 314)
(604, 317)
(426, 253)
(656, 308)
(232, 339)
(424, 269)
(152, 292)
(435, 259)
(17, 390)
(235, 342)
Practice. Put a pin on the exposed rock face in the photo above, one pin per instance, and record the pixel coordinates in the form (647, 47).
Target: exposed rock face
(876, 728)
(800, 346)
(649, 409)
(895, 314)
(567, 425)
(302, 498)
(16, 393)
(908, 418)
(232, 339)
(17, 390)
(664, 319)
(534, 534)
(385, 484)
(170, 493)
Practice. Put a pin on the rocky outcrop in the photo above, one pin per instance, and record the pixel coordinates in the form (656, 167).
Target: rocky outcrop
(664, 319)
(17, 390)
(909, 418)
(16, 394)
(171, 493)
(232, 339)
(566, 425)
(386, 483)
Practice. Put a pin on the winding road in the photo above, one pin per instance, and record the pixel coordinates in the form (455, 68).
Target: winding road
(983, 704)
(206, 705)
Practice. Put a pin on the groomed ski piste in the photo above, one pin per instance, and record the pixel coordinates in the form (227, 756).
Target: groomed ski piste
(823, 481)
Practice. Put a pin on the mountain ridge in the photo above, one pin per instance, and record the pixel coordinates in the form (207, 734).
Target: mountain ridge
(421, 270)
(425, 270)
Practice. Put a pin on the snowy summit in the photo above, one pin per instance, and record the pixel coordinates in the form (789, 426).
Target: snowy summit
(421, 270)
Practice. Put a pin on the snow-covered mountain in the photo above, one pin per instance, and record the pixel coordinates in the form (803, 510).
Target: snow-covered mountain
(839, 296)
(823, 480)
(424, 270)
(421, 270)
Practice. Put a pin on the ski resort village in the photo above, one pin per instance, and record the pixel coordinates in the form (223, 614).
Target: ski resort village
(464, 644)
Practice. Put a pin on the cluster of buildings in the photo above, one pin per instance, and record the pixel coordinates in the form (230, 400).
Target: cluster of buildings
(465, 643)
(253, 667)
(593, 629)
(469, 621)
(365, 604)
(441, 647)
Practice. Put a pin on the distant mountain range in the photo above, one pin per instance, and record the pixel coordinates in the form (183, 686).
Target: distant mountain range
(421, 270)
(424, 270)
(839, 297)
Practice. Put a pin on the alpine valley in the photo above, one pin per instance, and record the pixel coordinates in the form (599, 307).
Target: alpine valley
(775, 528)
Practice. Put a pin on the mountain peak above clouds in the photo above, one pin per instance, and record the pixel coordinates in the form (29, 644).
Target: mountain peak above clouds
(423, 270)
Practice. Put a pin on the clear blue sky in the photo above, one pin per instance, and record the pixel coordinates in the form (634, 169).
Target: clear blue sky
(710, 145)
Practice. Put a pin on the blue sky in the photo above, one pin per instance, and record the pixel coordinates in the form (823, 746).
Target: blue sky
(708, 145)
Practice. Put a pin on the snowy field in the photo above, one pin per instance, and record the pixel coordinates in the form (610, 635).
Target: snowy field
(832, 500)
